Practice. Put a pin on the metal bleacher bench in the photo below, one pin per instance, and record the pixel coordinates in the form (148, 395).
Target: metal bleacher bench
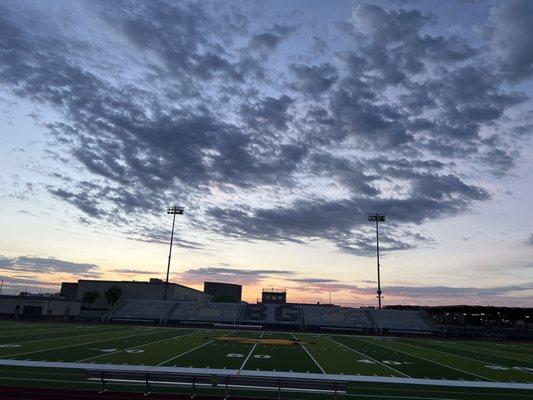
(224, 381)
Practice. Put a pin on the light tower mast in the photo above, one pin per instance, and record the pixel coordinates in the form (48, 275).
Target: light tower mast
(377, 218)
(174, 211)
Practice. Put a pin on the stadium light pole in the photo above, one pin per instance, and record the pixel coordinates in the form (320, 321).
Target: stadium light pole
(174, 211)
(377, 218)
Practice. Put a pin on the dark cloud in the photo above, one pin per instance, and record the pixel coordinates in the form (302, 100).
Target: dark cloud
(446, 294)
(314, 79)
(268, 111)
(32, 284)
(513, 37)
(344, 222)
(312, 280)
(529, 240)
(47, 266)
(181, 103)
(158, 234)
(87, 204)
(428, 292)
(231, 275)
(269, 40)
(185, 36)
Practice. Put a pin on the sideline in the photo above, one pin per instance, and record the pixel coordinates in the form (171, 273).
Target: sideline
(277, 374)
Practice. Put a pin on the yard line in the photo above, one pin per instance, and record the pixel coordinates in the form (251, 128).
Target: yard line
(394, 397)
(432, 361)
(73, 345)
(191, 350)
(249, 354)
(469, 349)
(466, 358)
(75, 337)
(368, 357)
(134, 347)
(309, 354)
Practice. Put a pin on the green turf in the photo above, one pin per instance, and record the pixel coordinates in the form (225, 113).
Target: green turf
(316, 353)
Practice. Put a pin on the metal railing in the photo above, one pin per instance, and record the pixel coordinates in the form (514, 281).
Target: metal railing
(214, 380)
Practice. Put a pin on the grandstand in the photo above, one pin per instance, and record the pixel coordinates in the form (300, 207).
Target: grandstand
(288, 316)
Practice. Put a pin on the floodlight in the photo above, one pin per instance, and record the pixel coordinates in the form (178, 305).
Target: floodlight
(376, 217)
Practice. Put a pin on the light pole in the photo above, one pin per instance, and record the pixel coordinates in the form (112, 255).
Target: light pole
(174, 211)
(377, 218)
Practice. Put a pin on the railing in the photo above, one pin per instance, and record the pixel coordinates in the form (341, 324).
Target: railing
(223, 381)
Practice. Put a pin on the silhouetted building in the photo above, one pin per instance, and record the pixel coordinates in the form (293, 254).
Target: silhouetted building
(223, 291)
(34, 306)
(152, 290)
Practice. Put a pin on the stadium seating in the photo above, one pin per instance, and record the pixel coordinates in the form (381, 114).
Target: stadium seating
(177, 311)
(294, 316)
(272, 314)
(151, 310)
(317, 316)
(400, 320)
(204, 312)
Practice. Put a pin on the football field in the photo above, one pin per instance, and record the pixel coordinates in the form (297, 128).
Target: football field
(371, 359)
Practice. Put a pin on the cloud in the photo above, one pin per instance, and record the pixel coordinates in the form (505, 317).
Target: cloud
(32, 284)
(127, 271)
(314, 79)
(187, 102)
(529, 240)
(270, 39)
(446, 292)
(416, 294)
(231, 275)
(344, 222)
(312, 280)
(47, 265)
(268, 111)
(513, 37)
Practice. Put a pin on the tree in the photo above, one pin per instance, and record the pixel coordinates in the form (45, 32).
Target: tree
(90, 297)
(112, 295)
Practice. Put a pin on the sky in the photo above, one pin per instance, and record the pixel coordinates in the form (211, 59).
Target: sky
(277, 125)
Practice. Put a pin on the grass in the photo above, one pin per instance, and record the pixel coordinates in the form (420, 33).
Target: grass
(330, 353)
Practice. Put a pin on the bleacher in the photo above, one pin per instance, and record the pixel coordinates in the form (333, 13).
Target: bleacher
(400, 320)
(204, 312)
(279, 315)
(324, 316)
(290, 316)
(143, 310)
(170, 311)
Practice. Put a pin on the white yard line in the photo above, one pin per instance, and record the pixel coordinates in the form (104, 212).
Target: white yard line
(309, 354)
(466, 358)
(69, 337)
(134, 347)
(191, 350)
(249, 354)
(72, 345)
(368, 357)
(432, 361)
(373, 396)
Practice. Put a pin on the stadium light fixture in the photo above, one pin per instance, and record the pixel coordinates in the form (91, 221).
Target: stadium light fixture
(174, 211)
(376, 217)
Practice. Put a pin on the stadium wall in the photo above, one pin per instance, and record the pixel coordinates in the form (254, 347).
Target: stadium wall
(151, 290)
(38, 307)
